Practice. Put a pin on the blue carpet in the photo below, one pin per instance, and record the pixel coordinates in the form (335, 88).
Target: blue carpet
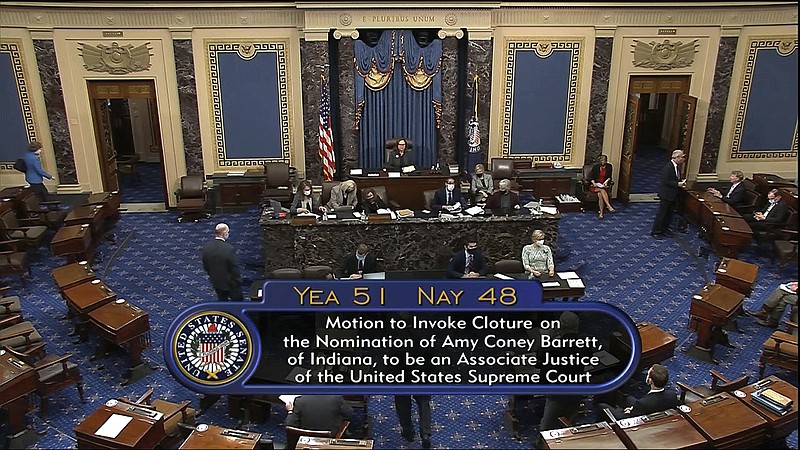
(159, 268)
(646, 169)
(146, 186)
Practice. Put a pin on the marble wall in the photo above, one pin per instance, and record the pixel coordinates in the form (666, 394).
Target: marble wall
(187, 95)
(348, 153)
(598, 101)
(479, 62)
(448, 137)
(314, 59)
(56, 111)
(718, 104)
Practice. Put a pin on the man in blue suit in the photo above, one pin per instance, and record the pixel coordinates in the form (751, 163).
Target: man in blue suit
(669, 191)
(447, 198)
(467, 263)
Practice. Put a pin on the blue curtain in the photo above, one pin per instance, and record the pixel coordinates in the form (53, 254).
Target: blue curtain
(398, 93)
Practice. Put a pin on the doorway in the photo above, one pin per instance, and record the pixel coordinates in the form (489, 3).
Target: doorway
(125, 116)
(658, 120)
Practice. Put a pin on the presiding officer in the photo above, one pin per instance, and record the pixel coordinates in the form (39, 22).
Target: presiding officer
(219, 261)
(400, 157)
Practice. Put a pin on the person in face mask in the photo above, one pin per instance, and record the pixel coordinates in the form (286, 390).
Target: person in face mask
(503, 198)
(448, 198)
(469, 262)
(481, 185)
(357, 263)
(343, 194)
(372, 202)
(304, 200)
(773, 216)
(537, 258)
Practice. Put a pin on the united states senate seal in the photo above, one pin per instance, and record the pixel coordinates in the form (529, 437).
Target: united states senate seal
(212, 348)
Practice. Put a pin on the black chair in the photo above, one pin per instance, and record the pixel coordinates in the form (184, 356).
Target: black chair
(317, 273)
(585, 195)
(43, 213)
(718, 384)
(785, 249)
(23, 230)
(509, 266)
(192, 197)
(278, 184)
(287, 273)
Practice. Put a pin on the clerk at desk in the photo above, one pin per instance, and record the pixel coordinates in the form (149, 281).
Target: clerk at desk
(447, 198)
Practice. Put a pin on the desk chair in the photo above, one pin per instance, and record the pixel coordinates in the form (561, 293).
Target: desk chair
(192, 197)
(54, 373)
(293, 434)
(719, 384)
(24, 230)
(507, 266)
(43, 213)
(277, 183)
(287, 273)
(13, 260)
(9, 305)
(317, 273)
(380, 191)
(326, 191)
(22, 337)
(775, 231)
(780, 349)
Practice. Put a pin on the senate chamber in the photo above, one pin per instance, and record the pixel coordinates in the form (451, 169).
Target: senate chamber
(275, 224)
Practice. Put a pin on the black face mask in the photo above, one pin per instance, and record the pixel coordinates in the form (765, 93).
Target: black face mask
(480, 175)
(472, 251)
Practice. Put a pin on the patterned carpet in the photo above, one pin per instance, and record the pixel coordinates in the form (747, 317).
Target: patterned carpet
(157, 266)
(146, 186)
(646, 169)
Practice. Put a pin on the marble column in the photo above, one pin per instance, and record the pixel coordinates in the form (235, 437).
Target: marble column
(314, 60)
(598, 101)
(56, 111)
(479, 62)
(348, 153)
(448, 127)
(718, 103)
(187, 96)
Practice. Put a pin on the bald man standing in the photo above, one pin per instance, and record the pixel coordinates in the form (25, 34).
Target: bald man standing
(219, 261)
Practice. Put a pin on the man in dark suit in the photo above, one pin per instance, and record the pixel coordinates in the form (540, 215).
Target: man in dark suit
(219, 261)
(447, 198)
(318, 412)
(735, 194)
(669, 191)
(503, 198)
(357, 263)
(467, 263)
(659, 398)
(400, 157)
(774, 215)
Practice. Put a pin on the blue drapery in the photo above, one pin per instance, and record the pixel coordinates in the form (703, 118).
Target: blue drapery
(398, 93)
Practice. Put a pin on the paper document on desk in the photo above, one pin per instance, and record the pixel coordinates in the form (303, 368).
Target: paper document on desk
(575, 283)
(113, 426)
(549, 284)
(408, 169)
(567, 275)
(384, 211)
(474, 210)
(550, 210)
(502, 276)
(288, 398)
(236, 174)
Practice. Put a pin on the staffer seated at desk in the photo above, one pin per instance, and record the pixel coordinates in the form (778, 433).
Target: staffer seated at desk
(447, 198)
(372, 202)
(481, 185)
(537, 258)
(357, 263)
(304, 201)
(734, 196)
(343, 194)
(318, 412)
(659, 398)
(503, 198)
(467, 263)
(400, 156)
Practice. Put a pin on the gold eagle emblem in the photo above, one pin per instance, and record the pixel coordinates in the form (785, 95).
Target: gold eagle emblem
(665, 55)
(115, 59)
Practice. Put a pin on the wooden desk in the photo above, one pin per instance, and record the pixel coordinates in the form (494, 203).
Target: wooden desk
(109, 200)
(238, 191)
(125, 324)
(92, 215)
(211, 436)
(713, 307)
(145, 430)
(17, 380)
(592, 436)
(777, 426)
(657, 345)
(665, 429)
(727, 422)
(310, 442)
(72, 274)
(737, 275)
(86, 297)
(718, 222)
(406, 190)
(548, 183)
(72, 240)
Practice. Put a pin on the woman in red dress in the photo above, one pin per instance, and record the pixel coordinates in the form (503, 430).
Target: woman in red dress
(601, 179)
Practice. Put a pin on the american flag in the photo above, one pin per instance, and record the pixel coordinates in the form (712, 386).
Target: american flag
(210, 348)
(326, 135)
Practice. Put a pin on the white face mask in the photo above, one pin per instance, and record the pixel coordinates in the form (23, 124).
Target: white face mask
(540, 242)
(306, 192)
(450, 187)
